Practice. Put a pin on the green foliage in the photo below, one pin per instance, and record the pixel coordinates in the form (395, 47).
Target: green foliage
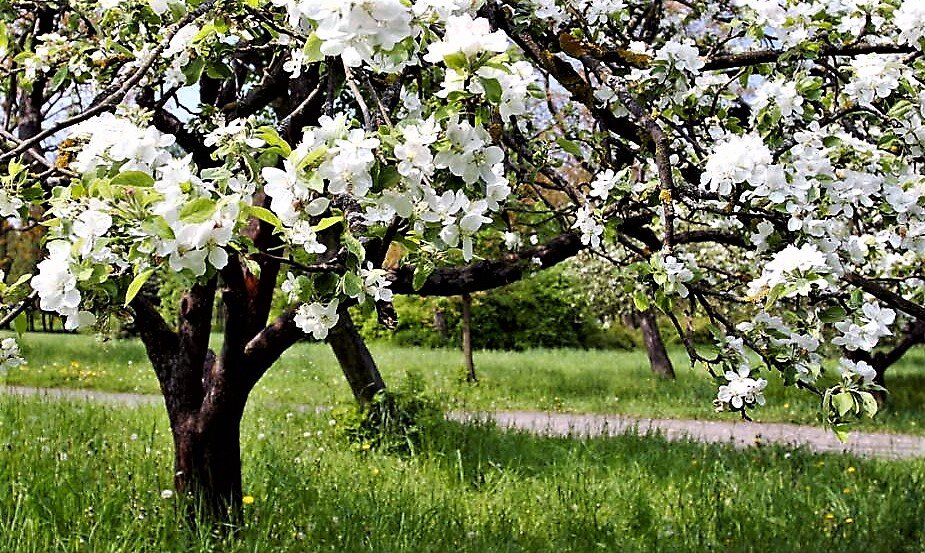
(544, 310)
(396, 421)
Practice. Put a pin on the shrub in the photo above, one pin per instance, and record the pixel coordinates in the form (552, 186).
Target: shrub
(396, 421)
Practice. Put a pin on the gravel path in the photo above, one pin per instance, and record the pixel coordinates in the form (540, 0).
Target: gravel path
(738, 434)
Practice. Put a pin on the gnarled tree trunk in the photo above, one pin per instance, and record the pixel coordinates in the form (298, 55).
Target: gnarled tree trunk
(207, 463)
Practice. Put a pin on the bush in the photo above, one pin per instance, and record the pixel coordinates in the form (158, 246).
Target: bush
(541, 311)
(396, 421)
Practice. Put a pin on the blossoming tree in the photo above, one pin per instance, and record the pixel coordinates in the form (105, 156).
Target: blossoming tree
(753, 161)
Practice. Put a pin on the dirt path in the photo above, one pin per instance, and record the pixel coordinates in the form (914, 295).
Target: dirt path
(737, 434)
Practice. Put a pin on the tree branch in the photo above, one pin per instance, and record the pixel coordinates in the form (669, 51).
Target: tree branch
(887, 296)
(114, 94)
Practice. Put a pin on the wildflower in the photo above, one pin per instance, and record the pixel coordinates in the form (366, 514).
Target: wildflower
(166, 494)
(247, 500)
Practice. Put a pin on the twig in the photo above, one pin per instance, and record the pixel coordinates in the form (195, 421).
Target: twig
(18, 309)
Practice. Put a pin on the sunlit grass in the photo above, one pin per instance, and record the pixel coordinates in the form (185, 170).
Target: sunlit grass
(86, 477)
(559, 380)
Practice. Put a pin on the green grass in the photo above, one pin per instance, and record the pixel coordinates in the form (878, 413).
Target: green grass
(87, 477)
(558, 380)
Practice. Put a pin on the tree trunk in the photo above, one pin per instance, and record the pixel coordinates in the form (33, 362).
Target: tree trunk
(467, 337)
(655, 347)
(355, 360)
(207, 465)
(440, 324)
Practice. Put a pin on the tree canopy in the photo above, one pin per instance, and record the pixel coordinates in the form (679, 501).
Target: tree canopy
(754, 162)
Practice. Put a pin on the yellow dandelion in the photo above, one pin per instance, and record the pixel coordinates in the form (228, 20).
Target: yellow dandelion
(829, 516)
(852, 470)
(247, 500)
(849, 520)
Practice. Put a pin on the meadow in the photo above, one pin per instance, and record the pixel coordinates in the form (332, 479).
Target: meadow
(87, 477)
(91, 477)
(547, 380)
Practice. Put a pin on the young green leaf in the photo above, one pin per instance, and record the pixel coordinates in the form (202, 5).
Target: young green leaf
(135, 286)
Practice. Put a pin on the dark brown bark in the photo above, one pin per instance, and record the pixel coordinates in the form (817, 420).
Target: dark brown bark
(207, 464)
(467, 338)
(485, 275)
(440, 323)
(205, 397)
(655, 347)
(355, 360)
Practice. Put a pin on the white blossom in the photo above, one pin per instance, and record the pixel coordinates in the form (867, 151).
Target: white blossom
(741, 390)
(316, 318)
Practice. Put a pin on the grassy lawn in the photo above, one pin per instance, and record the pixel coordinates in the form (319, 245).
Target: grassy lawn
(86, 477)
(558, 380)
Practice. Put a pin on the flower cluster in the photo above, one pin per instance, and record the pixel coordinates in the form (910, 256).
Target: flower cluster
(735, 160)
(10, 356)
(864, 334)
(742, 390)
(317, 318)
(358, 32)
(672, 272)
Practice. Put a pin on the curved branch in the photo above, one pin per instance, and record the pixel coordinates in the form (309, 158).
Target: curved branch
(485, 275)
(887, 296)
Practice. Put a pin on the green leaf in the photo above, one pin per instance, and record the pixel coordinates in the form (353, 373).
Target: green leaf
(492, 90)
(456, 60)
(20, 281)
(193, 70)
(843, 403)
(270, 136)
(869, 403)
(135, 286)
(388, 177)
(327, 222)
(641, 301)
(59, 77)
(422, 272)
(663, 302)
(832, 314)
(264, 214)
(20, 324)
(352, 285)
(773, 295)
(312, 49)
(198, 210)
(216, 174)
(841, 432)
(569, 146)
(831, 141)
(133, 178)
(354, 247)
(314, 157)
(219, 71)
